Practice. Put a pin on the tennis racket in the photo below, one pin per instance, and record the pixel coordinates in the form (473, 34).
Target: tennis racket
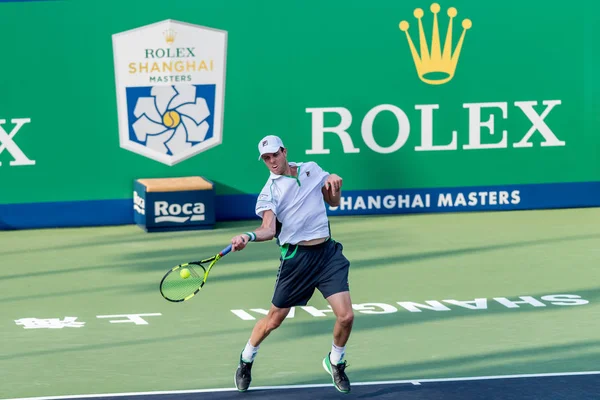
(184, 281)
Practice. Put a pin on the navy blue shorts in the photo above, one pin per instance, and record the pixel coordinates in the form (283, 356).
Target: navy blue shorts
(306, 268)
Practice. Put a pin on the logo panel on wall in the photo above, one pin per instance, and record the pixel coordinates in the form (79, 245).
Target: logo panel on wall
(436, 63)
(170, 80)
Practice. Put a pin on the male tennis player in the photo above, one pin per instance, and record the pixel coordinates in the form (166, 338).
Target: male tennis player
(292, 208)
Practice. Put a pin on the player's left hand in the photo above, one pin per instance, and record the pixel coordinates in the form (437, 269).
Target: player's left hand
(333, 183)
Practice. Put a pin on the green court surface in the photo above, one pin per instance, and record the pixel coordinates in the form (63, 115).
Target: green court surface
(450, 283)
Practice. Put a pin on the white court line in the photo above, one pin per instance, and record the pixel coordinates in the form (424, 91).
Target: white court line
(411, 381)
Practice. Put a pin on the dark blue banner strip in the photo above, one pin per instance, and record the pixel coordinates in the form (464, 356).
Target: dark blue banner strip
(359, 202)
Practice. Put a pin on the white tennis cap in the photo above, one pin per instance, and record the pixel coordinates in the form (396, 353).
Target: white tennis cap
(269, 144)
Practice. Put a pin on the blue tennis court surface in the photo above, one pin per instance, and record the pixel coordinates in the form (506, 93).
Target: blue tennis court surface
(569, 386)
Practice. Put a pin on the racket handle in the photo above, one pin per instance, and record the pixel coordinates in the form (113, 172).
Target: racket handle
(225, 250)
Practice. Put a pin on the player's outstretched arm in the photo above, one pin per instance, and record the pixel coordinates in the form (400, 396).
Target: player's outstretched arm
(262, 234)
(332, 190)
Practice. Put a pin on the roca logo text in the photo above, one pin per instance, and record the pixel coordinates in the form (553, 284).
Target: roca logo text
(165, 212)
(139, 204)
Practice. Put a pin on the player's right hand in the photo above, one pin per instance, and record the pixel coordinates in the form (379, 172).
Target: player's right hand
(239, 242)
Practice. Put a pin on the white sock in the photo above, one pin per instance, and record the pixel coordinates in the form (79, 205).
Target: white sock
(337, 354)
(249, 352)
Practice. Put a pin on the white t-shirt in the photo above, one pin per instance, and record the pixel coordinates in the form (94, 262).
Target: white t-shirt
(297, 202)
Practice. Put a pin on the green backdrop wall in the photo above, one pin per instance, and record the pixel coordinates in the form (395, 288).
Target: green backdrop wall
(337, 81)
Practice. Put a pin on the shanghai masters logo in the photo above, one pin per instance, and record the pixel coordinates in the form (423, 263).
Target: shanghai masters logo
(436, 65)
(170, 79)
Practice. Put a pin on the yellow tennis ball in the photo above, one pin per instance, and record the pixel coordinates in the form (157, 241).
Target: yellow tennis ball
(184, 273)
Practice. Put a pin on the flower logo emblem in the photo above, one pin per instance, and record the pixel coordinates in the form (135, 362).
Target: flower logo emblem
(171, 120)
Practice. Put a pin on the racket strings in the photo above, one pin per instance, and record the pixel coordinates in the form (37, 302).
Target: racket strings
(175, 287)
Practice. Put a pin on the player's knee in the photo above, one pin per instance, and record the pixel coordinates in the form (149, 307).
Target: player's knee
(346, 318)
(275, 319)
(274, 323)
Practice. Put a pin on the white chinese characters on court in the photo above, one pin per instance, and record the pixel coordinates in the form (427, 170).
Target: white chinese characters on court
(71, 322)
(49, 323)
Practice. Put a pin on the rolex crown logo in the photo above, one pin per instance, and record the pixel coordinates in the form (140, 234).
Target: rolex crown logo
(435, 65)
(169, 36)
